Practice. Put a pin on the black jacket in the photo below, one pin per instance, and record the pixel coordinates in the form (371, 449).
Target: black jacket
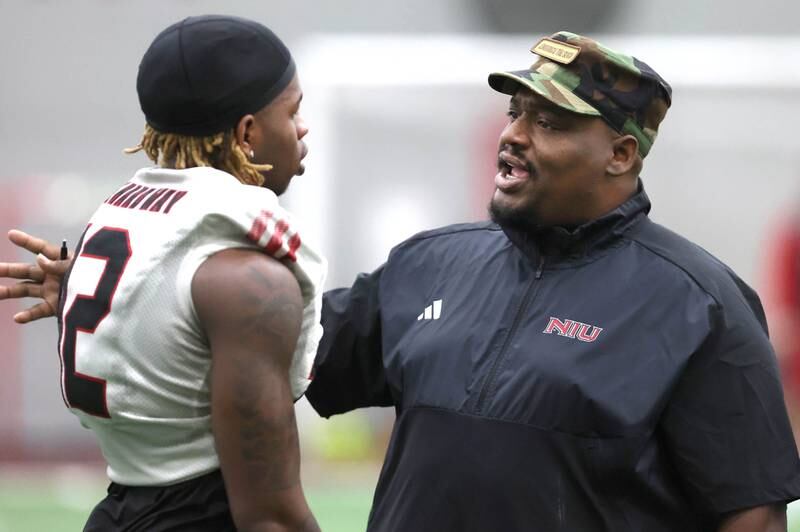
(612, 378)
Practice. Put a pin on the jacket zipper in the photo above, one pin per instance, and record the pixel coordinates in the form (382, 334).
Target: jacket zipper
(526, 300)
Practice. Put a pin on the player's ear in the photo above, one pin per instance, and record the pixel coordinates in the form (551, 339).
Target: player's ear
(243, 132)
(624, 154)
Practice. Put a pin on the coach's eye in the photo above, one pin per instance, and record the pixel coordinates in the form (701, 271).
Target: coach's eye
(545, 123)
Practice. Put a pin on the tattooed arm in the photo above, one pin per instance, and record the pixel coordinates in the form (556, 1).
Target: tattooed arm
(250, 308)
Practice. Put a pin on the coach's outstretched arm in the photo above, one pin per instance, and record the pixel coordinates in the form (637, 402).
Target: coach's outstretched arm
(250, 307)
(349, 370)
(41, 279)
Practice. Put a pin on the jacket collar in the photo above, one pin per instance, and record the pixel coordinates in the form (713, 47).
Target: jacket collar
(583, 243)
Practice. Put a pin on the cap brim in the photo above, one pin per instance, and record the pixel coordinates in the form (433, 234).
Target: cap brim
(543, 85)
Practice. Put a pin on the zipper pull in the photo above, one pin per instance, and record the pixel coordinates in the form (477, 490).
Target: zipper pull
(540, 268)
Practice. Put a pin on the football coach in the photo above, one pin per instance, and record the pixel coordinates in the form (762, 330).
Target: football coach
(572, 366)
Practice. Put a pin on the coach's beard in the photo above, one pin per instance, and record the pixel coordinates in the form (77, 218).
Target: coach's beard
(521, 220)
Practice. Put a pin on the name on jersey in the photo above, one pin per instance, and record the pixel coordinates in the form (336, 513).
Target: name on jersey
(573, 329)
(143, 198)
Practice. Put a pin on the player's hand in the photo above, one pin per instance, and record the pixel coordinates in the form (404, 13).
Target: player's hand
(41, 279)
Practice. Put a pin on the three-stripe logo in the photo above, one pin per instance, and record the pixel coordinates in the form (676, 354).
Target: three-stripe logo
(432, 311)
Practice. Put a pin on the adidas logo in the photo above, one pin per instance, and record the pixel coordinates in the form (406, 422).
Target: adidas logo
(432, 311)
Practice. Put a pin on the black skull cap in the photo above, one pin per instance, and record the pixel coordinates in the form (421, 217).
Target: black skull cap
(202, 74)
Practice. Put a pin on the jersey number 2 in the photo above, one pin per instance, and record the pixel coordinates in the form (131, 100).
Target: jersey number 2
(81, 391)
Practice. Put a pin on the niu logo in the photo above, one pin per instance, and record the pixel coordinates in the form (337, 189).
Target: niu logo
(573, 329)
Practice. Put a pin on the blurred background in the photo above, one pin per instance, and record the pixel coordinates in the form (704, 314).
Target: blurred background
(403, 132)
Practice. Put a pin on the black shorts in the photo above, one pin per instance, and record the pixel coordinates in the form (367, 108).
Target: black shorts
(197, 505)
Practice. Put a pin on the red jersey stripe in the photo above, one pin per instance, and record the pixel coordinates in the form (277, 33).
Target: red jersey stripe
(276, 241)
(294, 245)
(259, 227)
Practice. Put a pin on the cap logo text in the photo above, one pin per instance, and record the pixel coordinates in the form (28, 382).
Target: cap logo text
(556, 51)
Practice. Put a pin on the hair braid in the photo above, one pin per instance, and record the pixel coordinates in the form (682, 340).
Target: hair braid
(220, 151)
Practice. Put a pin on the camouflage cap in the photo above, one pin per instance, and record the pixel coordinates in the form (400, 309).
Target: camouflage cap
(583, 76)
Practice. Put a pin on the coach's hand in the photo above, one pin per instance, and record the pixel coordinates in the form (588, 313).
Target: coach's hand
(42, 279)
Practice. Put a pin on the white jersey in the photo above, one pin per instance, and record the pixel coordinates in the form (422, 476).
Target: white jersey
(135, 361)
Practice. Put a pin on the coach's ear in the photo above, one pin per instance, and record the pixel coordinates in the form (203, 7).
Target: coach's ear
(624, 155)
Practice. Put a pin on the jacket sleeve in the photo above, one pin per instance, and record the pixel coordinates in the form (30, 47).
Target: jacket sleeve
(348, 369)
(726, 424)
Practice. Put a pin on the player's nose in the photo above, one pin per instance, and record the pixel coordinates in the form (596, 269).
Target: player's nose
(302, 128)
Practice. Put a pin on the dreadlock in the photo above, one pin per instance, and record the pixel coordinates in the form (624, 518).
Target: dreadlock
(220, 151)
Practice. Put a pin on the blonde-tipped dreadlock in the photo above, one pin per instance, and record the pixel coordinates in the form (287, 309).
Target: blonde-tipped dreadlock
(220, 151)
